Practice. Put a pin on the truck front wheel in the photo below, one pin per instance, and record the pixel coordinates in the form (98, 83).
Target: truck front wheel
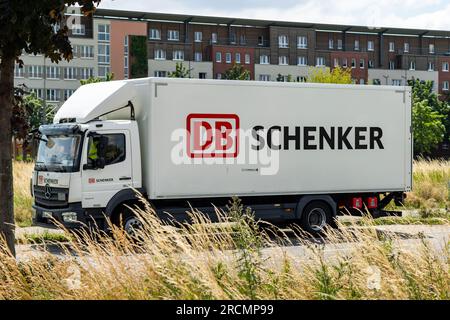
(128, 221)
(315, 217)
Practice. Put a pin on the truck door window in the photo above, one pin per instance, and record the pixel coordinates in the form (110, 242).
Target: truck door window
(115, 150)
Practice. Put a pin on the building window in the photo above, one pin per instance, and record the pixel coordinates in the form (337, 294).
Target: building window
(430, 66)
(233, 38)
(70, 73)
(198, 57)
(264, 77)
(52, 95)
(38, 92)
(178, 55)
(362, 81)
(125, 57)
(160, 74)
(219, 76)
(264, 59)
(396, 82)
(155, 34)
(243, 39)
(391, 65)
(371, 64)
(445, 66)
(406, 47)
(370, 46)
(412, 65)
(219, 57)
(103, 71)
(86, 52)
(302, 42)
(18, 72)
(247, 59)
(283, 41)
(376, 82)
(431, 48)
(344, 63)
(336, 62)
(78, 29)
(391, 46)
(445, 86)
(362, 63)
(238, 57)
(301, 79)
(68, 93)
(260, 40)
(103, 32)
(283, 60)
(339, 44)
(35, 72)
(198, 36)
(52, 72)
(353, 63)
(228, 57)
(160, 54)
(86, 73)
(331, 44)
(213, 37)
(320, 61)
(356, 45)
(202, 75)
(173, 35)
(302, 61)
(103, 55)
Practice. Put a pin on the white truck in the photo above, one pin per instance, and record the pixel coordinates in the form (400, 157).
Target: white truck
(290, 151)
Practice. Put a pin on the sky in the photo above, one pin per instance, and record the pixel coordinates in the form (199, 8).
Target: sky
(422, 14)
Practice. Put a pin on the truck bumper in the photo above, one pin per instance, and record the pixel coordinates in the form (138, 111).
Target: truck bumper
(72, 217)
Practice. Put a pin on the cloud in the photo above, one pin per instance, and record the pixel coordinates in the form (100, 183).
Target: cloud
(429, 14)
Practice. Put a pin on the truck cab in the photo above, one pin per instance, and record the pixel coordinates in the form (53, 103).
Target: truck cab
(81, 167)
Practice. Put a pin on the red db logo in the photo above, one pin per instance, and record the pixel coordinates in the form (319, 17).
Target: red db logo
(213, 135)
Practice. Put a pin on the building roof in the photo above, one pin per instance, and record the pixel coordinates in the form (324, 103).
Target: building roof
(180, 18)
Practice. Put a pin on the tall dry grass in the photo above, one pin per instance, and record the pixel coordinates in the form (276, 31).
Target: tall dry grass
(22, 196)
(234, 260)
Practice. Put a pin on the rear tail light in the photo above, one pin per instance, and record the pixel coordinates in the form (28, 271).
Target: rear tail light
(357, 203)
(372, 202)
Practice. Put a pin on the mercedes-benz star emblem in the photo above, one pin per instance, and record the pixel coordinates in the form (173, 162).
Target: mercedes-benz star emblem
(48, 192)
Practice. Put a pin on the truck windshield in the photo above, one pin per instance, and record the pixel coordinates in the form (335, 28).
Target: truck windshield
(58, 153)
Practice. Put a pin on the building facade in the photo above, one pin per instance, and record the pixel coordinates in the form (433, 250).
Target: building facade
(133, 44)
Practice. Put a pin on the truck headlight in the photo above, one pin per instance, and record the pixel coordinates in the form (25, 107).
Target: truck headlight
(69, 216)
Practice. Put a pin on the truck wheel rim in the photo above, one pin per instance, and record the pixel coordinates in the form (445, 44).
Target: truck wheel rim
(131, 225)
(317, 219)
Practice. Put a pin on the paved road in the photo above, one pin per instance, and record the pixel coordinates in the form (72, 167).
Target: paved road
(408, 238)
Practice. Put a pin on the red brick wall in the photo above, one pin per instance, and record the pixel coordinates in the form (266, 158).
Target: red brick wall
(223, 66)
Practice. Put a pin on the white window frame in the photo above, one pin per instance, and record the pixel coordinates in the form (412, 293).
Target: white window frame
(173, 35)
(228, 57)
(336, 62)
(52, 95)
(320, 62)
(412, 65)
(445, 66)
(391, 65)
(160, 54)
(356, 45)
(78, 29)
(218, 57)
(445, 86)
(198, 56)
(396, 82)
(198, 36)
(264, 59)
(345, 63)
(52, 73)
(330, 44)
(104, 57)
(302, 42)
(104, 35)
(18, 72)
(353, 63)
(430, 66)
(283, 41)
(155, 34)
(264, 77)
(406, 47)
(178, 55)
(237, 58)
(247, 58)
(70, 73)
(214, 37)
(362, 63)
(370, 45)
(283, 60)
(431, 48)
(302, 61)
(391, 46)
(339, 44)
(160, 74)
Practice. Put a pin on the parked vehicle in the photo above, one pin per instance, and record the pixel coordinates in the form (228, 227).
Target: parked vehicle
(290, 151)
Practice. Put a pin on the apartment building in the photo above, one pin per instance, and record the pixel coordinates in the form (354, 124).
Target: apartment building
(133, 44)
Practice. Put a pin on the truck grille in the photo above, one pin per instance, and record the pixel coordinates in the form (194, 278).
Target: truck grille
(50, 197)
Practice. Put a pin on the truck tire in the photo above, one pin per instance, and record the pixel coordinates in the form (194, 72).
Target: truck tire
(315, 216)
(128, 221)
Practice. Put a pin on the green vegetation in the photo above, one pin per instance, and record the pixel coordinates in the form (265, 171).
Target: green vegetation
(138, 57)
(325, 75)
(45, 237)
(237, 72)
(180, 71)
(109, 77)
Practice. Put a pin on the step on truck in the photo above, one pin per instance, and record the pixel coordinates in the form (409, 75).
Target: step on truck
(291, 151)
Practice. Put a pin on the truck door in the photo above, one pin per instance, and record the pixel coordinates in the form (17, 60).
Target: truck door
(100, 185)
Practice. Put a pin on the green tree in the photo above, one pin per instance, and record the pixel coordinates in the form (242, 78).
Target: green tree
(109, 77)
(26, 26)
(180, 71)
(423, 91)
(237, 72)
(427, 127)
(325, 75)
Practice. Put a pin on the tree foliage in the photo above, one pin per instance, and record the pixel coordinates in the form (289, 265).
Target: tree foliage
(237, 72)
(180, 71)
(325, 75)
(138, 56)
(109, 77)
(427, 126)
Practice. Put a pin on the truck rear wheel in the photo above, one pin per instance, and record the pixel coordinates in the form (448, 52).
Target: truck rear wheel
(315, 216)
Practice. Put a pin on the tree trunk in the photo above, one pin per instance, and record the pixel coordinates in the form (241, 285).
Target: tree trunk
(7, 225)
